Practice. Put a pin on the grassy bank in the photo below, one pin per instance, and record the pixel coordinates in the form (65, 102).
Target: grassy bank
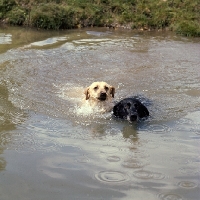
(181, 16)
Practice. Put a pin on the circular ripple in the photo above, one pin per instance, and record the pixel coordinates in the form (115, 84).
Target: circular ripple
(170, 197)
(111, 177)
(159, 128)
(187, 184)
(113, 159)
(142, 174)
(133, 163)
(158, 176)
(108, 149)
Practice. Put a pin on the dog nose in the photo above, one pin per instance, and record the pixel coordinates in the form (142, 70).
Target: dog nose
(102, 94)
(133, 118)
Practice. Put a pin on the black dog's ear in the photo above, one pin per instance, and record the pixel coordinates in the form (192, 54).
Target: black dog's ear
(116, 109)
(142, 111)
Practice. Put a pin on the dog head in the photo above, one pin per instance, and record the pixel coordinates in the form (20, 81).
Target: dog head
(130, 109)
(99, 91)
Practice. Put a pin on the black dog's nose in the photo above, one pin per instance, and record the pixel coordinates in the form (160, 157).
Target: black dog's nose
(133, 118)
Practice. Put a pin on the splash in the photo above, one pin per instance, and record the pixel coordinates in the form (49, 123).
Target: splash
(84, 110)
(75, 97)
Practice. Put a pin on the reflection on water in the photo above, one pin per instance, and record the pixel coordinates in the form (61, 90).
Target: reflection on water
(5, 38)
(11, 38)
(9, 117)
(53, 147)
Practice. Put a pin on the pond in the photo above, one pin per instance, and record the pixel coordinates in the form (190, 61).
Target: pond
(51, 148)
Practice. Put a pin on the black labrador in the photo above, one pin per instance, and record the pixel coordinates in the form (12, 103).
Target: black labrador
(130, 109)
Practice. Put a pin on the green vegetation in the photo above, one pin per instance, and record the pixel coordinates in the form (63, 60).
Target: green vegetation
(181, 16)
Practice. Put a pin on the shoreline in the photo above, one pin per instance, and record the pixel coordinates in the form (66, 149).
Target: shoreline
(181, 17)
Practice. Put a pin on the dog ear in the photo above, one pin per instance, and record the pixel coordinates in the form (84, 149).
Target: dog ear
(86, 92)
(142, 111)
(112, 91)
(117, 110)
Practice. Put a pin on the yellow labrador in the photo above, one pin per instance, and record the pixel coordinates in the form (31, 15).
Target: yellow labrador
(100, 95)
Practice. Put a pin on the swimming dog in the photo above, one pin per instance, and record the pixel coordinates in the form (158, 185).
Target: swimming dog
(100, 95)
(130, 109)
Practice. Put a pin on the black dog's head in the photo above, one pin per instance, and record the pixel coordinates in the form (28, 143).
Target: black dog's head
(130, 109)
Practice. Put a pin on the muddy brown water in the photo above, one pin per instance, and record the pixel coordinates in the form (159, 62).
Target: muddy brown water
(51, 148)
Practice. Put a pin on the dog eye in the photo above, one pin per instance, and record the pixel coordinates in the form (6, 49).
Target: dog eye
(106, 88)
(95, 88)
(128, 105)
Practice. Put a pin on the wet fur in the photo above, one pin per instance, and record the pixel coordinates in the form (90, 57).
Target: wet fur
(130, 109)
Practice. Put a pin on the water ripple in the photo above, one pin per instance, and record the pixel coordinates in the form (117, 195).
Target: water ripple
(108, 149)
(159, 128)
(156, 128)
(170, 197)
(187, 184)
(113, 159)
(143, 174)
(133, 163)
(5, 38)
(111, 176)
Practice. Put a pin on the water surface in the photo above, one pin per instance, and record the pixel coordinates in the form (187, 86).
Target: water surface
(53, 148)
